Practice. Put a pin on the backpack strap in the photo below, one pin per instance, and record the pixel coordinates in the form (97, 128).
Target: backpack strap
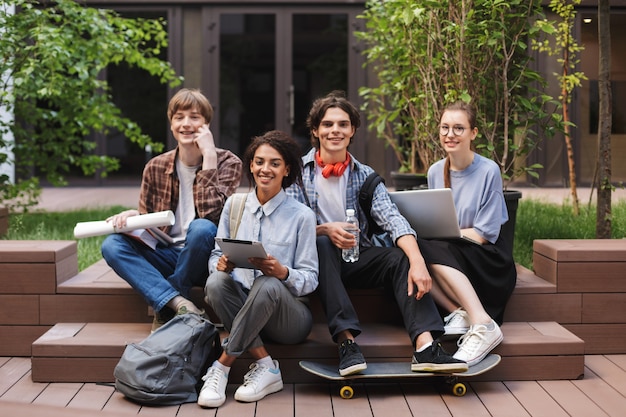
(366, 194)
(236, 211)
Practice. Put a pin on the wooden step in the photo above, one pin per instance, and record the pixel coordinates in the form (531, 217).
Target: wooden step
(589, 278)
(99, 279)
(35, 267)
(535, 299)
(30, 271)
(97, 294)
(88, 352)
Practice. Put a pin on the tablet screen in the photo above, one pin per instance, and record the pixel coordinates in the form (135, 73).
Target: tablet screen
(238, 251)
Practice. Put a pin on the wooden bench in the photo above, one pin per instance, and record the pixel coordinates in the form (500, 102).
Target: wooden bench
(589, 277)
(532, 350)
(85, 323)
(30, 271)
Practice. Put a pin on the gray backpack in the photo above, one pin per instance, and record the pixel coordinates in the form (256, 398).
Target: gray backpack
(166, 367)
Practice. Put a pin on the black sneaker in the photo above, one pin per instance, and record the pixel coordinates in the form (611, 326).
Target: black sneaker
(436, 359)
(351, 360)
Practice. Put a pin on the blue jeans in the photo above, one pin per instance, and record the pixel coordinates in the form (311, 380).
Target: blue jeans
(162, 274)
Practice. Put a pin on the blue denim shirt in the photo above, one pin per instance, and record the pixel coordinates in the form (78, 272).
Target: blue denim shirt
(287, 230)
(384, 212)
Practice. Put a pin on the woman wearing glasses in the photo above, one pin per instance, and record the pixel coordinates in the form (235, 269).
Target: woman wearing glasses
(472, 281)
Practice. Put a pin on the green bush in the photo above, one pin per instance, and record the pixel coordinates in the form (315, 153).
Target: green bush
(535, 220)
(60, 226)
(539, 220)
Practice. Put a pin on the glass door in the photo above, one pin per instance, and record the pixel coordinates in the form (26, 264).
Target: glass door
(265, 67)
(319, 64)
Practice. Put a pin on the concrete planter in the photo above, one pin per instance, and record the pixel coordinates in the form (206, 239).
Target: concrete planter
(511, 197)
(408, 181)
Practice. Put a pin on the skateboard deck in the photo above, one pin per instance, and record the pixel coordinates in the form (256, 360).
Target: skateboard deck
(377, 370)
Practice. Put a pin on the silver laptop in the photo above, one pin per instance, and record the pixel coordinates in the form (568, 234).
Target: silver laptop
(431, 213)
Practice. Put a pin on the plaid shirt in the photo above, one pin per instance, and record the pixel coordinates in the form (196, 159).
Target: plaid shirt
(384, 212)
(211, 188)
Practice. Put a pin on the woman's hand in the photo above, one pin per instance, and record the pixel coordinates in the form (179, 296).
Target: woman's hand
(224, 265)
(270, 266)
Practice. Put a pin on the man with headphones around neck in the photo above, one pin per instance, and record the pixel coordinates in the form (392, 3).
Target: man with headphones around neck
(331, 180)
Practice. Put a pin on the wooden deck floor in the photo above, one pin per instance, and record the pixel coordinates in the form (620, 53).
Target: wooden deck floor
(602, 392)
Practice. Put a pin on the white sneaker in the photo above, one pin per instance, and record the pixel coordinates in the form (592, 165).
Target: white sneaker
(259, 382)
(456, 323)
(477, 343)
(213, 392)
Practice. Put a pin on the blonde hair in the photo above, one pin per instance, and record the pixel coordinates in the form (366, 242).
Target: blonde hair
(188, 98)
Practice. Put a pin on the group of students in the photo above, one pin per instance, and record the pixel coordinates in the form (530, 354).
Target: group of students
(297, 209)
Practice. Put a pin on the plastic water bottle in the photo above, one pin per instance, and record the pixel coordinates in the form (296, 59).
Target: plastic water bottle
(352, 254)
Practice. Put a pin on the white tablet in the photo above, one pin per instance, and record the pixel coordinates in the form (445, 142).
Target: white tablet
(238, 251)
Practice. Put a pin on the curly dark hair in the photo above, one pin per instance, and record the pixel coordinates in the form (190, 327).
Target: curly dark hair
(288, 149)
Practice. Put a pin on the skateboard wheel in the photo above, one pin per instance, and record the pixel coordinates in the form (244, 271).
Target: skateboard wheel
(346, 392)
(459, 389)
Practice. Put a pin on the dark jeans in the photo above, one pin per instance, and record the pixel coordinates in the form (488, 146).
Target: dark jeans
(376, 267)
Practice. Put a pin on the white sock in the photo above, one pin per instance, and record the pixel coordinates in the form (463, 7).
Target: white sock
(426, 346)
(267, 361)
(224, 368)
(179, 301)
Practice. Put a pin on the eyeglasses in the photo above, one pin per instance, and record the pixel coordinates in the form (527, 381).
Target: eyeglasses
(457, 130)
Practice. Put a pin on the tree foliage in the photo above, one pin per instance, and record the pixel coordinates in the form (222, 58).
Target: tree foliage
(51, 59)
(561, 42)
(427, 53)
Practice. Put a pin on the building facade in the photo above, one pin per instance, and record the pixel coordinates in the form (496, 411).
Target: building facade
(262, 63)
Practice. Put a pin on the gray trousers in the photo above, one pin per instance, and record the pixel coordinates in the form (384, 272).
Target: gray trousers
(267, 310)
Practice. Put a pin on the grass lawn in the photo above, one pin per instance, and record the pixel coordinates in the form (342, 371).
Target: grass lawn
(60, 226)
(535, 220)
(539, 220)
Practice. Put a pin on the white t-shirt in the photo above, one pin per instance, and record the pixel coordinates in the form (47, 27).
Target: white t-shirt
(331, 193)
(186, 210)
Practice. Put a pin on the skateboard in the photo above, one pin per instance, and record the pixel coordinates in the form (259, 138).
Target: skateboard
(378, 370)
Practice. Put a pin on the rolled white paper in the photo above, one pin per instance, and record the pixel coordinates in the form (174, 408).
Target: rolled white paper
(143, 221)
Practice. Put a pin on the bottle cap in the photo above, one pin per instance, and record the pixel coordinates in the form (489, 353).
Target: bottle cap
(350, 212)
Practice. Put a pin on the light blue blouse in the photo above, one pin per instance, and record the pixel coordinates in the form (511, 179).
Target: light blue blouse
(287, 230)
(477, 193)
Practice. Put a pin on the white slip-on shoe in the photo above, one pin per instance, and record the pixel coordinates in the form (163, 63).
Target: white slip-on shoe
(259, 382)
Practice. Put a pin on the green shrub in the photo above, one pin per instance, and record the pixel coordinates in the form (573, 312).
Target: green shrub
(539, 220)
(535, 220)
(60, 226)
